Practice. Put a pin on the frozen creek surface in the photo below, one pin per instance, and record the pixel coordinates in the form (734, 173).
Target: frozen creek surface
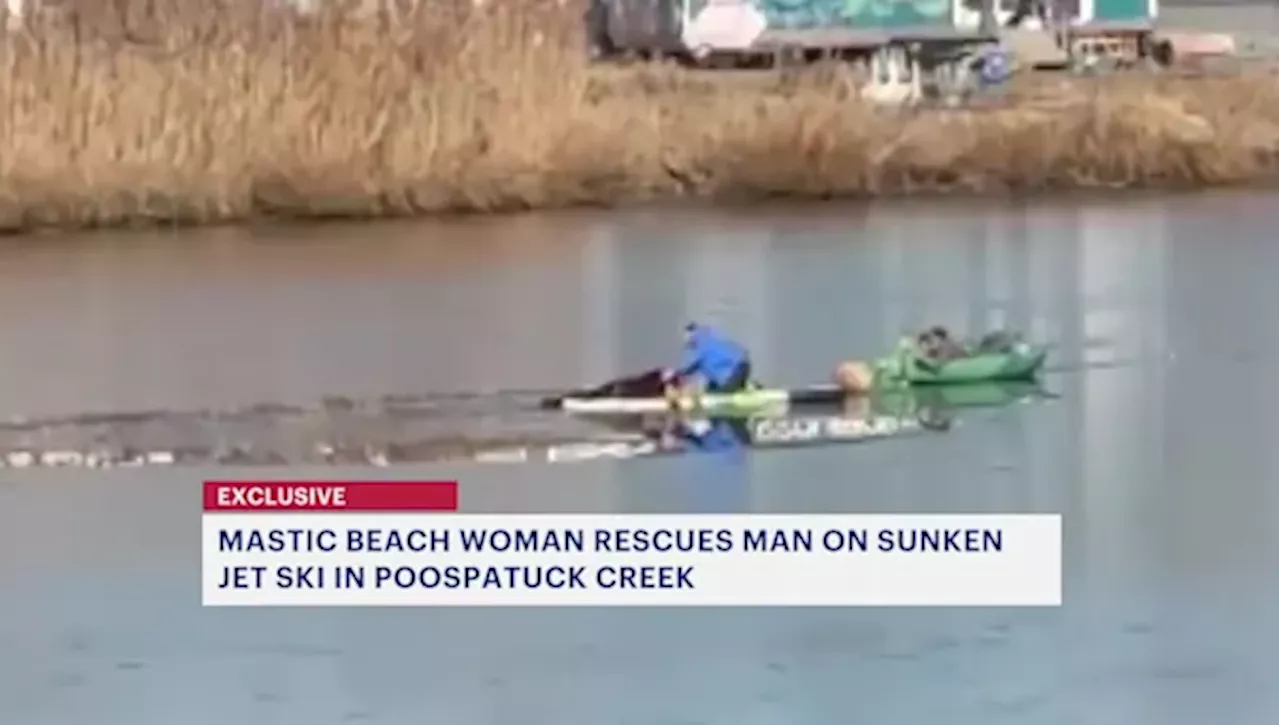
(1167, 484)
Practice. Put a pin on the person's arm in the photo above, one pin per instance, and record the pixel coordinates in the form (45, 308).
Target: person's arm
(690, 361)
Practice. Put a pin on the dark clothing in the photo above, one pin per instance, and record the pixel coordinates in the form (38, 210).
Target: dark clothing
(737, 380)
(645, 385)
(936, 345)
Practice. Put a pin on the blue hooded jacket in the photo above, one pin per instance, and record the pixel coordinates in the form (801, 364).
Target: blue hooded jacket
(710, 355)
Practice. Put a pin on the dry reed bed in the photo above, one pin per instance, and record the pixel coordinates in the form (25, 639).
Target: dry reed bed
(217, 114)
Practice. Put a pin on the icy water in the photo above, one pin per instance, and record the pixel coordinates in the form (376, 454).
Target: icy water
(1159, 454)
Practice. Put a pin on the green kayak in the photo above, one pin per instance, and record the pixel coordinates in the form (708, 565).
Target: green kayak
(903, 400)
(935, 406)
(907, 366)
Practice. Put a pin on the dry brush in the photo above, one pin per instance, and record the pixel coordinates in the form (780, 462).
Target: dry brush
(195, 111)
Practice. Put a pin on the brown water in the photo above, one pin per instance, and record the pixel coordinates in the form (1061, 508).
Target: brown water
(1159, 455)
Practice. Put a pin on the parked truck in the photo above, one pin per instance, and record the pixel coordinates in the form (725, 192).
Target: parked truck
(896, 38)
(703, 30)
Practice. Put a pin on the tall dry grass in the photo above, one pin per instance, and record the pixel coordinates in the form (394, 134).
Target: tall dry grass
(199, 111)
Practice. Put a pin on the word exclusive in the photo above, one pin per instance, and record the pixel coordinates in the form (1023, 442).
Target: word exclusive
(331, 496)
(404, 544)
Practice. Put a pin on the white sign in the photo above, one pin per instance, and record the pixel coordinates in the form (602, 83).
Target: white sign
(359, 558)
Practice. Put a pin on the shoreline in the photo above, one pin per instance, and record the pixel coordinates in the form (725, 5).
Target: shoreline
(340, 120)
(12, 227)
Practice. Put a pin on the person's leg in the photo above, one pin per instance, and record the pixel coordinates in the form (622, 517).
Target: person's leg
(738, 380)
(642, 385)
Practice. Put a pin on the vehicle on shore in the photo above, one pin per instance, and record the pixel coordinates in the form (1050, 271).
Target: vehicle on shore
(906, 50)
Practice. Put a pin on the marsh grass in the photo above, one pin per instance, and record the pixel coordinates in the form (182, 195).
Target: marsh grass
(196, 111)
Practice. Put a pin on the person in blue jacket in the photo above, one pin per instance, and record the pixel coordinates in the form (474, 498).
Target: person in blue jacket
(724, 365)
